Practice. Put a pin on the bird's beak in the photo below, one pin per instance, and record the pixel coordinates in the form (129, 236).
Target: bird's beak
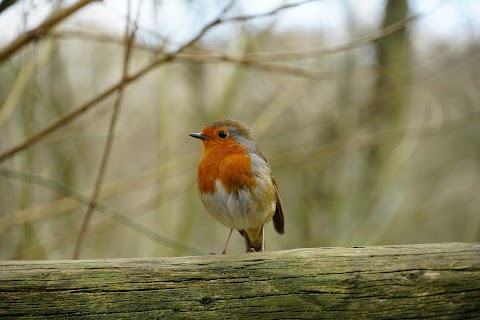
(198, 136)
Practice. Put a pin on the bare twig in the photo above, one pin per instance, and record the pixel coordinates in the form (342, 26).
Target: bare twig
(210, 56)
(119, 187)
(362, 139)
(167, 170)
(136, 210)
(129, 37)
(107, 211)
(204, 30)
(268, 13)
(72, 115)
(253, 63)
(259, 59)
(251, 58)
(42, 29)
(306, 54)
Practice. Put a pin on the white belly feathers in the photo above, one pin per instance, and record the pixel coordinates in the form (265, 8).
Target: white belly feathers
(242, 211)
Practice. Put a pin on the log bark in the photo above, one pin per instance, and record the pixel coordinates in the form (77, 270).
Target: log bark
(438, 281)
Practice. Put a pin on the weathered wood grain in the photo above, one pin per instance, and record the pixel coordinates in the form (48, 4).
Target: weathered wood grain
(438, 281)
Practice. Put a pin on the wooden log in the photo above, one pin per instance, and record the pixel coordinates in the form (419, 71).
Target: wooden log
(438, 281)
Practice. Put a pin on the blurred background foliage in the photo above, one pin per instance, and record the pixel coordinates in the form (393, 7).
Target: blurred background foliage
(373, 133)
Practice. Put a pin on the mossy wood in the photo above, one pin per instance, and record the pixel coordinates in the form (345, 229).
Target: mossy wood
(438, 281)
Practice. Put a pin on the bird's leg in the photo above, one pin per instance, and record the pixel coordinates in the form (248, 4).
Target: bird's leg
(262, 248)
(248, 244)
(226, 244)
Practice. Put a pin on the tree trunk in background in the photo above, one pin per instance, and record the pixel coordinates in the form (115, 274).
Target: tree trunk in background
(385, 111)
(390, 94)
(393, 76)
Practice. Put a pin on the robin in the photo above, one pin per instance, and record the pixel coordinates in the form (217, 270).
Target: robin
(235, 183)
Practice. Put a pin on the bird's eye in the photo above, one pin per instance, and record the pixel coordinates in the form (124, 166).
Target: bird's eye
(222, 134)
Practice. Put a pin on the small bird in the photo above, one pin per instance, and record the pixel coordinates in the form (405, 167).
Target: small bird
(236, 185)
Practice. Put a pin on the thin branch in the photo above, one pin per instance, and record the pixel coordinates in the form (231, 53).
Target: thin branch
(42, 29)
(210, 56)
(129, 37)
(251, 58)
(100, 207)
(204, 30)
(361, 140)
(268, 13)
(135, 209)
(168, 172)
(253, 63)
(72, 115)
(66, 204)
(312, 53)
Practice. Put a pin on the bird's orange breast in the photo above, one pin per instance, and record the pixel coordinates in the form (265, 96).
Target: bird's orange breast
(228, 163)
